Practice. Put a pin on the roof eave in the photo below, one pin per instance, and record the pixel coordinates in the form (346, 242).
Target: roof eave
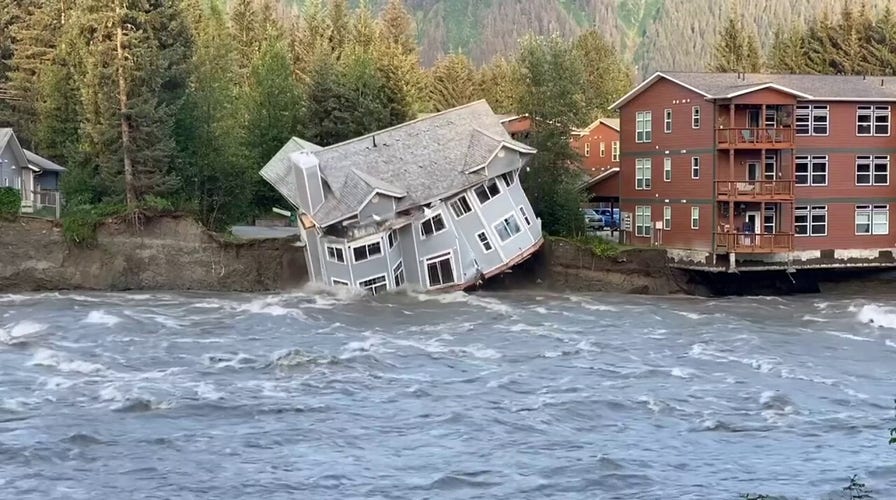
(647, 83)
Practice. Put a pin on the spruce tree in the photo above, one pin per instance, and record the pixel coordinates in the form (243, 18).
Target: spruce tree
(397, 27)
(498, 84)
(310, 39)
(10, 16)
(452, 82)
(607, 77)
(340, 25)
(328, 104)
(821, 45)
(736, 49)
(882, 46)
(364, 33)
(788, 50)
(245, 26)
(398, 63)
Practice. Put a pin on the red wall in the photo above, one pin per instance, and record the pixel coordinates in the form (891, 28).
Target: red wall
(593, 164)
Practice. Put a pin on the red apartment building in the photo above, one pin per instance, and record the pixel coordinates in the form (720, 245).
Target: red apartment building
(759, 171)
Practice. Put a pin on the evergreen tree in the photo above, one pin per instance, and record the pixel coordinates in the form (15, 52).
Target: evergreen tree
(788, 50)
(310, 39)
(882, 45)
(368, 96)
(328, 105)
(10, 16)
(820, 45)
(364, 33)
(736, 49)
(397, 27)
(398, 62)
(498, 84)
(452, 82)
(607, 77)
(340, 25)
(245, 26)
(58, 107)
(270, 23)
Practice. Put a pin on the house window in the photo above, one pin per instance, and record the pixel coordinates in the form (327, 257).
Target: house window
(642, 173)
(432, 225)
(812, 120)
(507, 228)
(667, 217)
(603, 149)
(509, 178)
(643, 126)
(375, 285)
(614, 151)
(484, 241)
(812, 170)
(440, 270)
(872, 170)
(872, 219)
(460, 206)
(810, 220)
(667, 169)
(873, 120)
(695, 167)
(398, 274)
(487, 191)
(335, 254)
(642, 221)
(525, 216)
(367, 252)
(667, 121)
(392, 239)
(695, 217)
(337, 282)
(587, 149)
(695, 117)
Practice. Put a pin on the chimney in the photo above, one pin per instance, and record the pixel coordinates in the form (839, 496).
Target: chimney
(374, 140)
(309, 186)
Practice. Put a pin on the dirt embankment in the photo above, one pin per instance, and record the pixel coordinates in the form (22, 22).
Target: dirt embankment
(170, 253)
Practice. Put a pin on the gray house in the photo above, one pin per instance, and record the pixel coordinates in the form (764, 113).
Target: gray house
(37, 178)
(434, 203)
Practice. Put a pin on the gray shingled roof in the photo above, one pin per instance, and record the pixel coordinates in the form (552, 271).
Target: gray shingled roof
(817, 86)
(5, 134)
(42, 163)
(426, 159)
(281, 173)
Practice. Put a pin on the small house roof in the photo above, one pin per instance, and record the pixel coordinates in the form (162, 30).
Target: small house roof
(42, 163)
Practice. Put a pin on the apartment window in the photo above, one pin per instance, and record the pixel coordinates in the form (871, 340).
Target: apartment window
(614, 151)
(643, 126)
(695, 167)
(695, 217)
(603, 149)
(812, 170)
(335, 254)
(587, 149)
(487, 191)
(507, 228)
(667, 169)
(432, 225)
(484, 241)
(695, 117)
(667, 217)
(872, 219)
(509, 178)
(460, 206)
(810, 220)
(642, 173)
(392, 239)
(375, 285)
(525, 216)
(812, 120)
(642, 221)
(440, 270)
(338, 282)
(367, 252)
(398, 274)
(667, 121)
(873, 120)
(872, 170)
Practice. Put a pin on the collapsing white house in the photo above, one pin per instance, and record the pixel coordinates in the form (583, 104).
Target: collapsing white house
(434, 203)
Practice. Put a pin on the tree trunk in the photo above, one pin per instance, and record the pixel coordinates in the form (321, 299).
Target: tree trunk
(130, 188)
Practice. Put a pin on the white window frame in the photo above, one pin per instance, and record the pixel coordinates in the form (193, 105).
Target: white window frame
(372, 288)
(458, 204)
(449, 256)
(504, 223)
(667, 217)
(695, 217)
(336, 248)
(809, 212)
(810, 116)
(431, 219)
(667, 169)
(667, 120)
(398, 270)
(339, 282)
(695, 117)
(587, 149)
(367, 246)
(644, 126)
(874, 215)
(614, 151)
(485, 189)
(392, 239)
(643, 174)
(643, 222)
(871, 164)
(525, 216)
(695, 167)
(810, 162)
(508, 178)
(603, 149)
(872, 113)
(486, 241)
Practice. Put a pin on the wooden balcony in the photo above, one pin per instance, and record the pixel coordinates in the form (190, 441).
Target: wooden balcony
(778, 190)
(754, 243)
(754, 138)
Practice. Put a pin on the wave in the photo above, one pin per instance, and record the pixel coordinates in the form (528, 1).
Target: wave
(100, 317)
(230, 360)
(682, 372)
(53, 359)
(20, 332)
(142, 405)
(205, 390)
(763, 365)
(847, 336)
(879, 316)
(270, 306)
(290, 358)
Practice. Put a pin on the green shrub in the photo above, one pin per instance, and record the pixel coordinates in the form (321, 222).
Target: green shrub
(79, 223)
(600, 247)
(157, 204)
(10, 202)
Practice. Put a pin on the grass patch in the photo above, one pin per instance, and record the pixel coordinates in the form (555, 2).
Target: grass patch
(600, 247)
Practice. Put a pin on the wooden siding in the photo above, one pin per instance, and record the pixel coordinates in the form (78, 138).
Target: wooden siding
(768, 96)
(842, 232)
(606, 188)
(594, 164)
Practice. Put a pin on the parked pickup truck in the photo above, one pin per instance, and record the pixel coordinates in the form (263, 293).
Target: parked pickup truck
(610, 217)
(593, 221)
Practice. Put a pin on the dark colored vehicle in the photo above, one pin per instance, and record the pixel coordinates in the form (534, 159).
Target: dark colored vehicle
(610, 217)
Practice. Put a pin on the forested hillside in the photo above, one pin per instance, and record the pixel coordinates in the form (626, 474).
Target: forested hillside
(652, 34)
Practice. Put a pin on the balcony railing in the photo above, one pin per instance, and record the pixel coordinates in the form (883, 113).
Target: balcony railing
(755, 190)
(754, 137)
(754, 243)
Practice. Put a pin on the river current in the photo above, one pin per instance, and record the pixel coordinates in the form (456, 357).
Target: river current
(316, 395)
